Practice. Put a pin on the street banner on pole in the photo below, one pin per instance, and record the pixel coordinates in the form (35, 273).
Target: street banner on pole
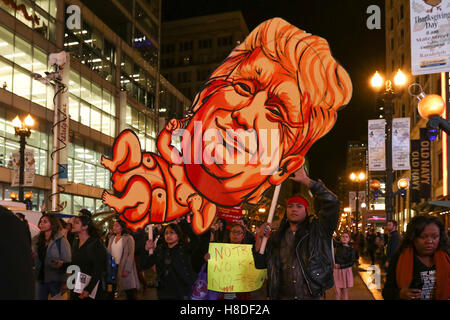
(400, 143)
(30, 168)
(352, 200)
(63, 131)
(361, 198)
(430, 36)
(376, 145)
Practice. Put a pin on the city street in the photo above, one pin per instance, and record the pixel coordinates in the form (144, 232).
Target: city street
(358, 292)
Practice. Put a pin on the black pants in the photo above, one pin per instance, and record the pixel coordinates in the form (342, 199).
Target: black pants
(131, 294)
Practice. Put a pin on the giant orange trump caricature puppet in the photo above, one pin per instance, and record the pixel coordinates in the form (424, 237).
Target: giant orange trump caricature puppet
(249, 128)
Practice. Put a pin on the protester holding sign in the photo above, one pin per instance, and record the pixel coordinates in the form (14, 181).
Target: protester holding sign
(299, 255)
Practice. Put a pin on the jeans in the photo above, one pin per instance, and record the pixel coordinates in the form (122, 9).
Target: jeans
(44, 289)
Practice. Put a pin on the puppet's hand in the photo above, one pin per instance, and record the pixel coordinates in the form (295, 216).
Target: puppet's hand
(174, 124)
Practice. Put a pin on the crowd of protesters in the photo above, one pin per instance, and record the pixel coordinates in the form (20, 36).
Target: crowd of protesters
(304, 257)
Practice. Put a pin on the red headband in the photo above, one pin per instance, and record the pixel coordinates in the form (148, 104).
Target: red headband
(298, 199)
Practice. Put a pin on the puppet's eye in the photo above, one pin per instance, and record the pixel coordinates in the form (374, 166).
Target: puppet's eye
(243, 89)
(274, 110)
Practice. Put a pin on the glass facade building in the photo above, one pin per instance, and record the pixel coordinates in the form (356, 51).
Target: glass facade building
(114, 84)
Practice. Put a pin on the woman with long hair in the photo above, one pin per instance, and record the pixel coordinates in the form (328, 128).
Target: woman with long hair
(172, 258)
(50, 250)
(420, 269)
(89, 254)
(121, 246)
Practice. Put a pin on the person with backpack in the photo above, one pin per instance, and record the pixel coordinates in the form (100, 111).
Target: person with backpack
(90, 256)
(50, 249)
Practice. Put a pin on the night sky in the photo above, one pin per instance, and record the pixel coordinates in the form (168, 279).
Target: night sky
(359, 50)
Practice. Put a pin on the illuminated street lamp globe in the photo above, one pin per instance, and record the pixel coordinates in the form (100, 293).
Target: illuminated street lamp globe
(375, 185)
(403, 183)
(431, 105)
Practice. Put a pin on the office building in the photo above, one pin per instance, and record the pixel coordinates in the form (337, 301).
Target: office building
(114, 84)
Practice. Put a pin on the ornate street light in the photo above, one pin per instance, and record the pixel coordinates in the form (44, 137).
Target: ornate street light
(431, 107)
(386, 98)
(23, 130)
(357, 178)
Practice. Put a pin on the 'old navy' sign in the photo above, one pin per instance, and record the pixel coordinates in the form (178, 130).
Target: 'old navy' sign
(420, 168)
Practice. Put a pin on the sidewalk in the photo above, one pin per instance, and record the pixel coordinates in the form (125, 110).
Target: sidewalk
(358, 292)
(367, 274)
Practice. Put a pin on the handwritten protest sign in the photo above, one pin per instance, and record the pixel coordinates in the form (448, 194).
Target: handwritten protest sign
(231, 268)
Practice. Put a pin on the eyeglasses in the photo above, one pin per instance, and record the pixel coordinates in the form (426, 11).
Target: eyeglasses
(237, 232)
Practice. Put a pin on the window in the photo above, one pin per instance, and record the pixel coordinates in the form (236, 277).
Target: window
(224, 41)
(205, 43)
(186, 46)
(21, 83)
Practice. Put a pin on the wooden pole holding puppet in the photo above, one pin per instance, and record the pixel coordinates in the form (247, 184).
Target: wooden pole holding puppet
(273, 206)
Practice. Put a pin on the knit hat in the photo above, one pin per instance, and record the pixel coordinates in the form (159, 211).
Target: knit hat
(298, 199)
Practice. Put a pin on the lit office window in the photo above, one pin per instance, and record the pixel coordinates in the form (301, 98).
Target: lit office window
(74, 107)
(22, 54)
(74, 83)
(21, 83)
(2, 152)
(6, 43)
(67, 200)
(78, 203)
(78, 171)
(6, 74)
(96, 120)
(85, 111)
(106, 125)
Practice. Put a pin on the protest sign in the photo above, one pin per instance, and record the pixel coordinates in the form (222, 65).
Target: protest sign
(231, 268)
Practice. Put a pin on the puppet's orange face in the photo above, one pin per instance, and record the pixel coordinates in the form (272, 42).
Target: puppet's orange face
(244, 127)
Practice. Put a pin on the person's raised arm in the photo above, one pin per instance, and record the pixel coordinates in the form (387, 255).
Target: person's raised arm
(329, 205)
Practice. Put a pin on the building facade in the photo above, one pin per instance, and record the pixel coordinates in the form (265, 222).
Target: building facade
(398, 56)
(192, 48)
(114, 84)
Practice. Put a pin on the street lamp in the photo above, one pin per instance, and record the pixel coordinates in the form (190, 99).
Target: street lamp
(357, 178)
(431, 107)
(386, 97)
(402, 185)
(23, 130)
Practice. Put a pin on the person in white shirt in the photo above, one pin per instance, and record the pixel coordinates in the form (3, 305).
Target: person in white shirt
(121, 247)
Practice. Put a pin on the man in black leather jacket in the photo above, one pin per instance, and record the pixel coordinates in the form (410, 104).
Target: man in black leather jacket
(299, 257)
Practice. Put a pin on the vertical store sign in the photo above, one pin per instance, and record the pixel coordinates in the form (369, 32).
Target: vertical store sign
(415, 171)
(425, 165)
(421, 168)
(400, 143)
(430, 36)
(377, 145)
